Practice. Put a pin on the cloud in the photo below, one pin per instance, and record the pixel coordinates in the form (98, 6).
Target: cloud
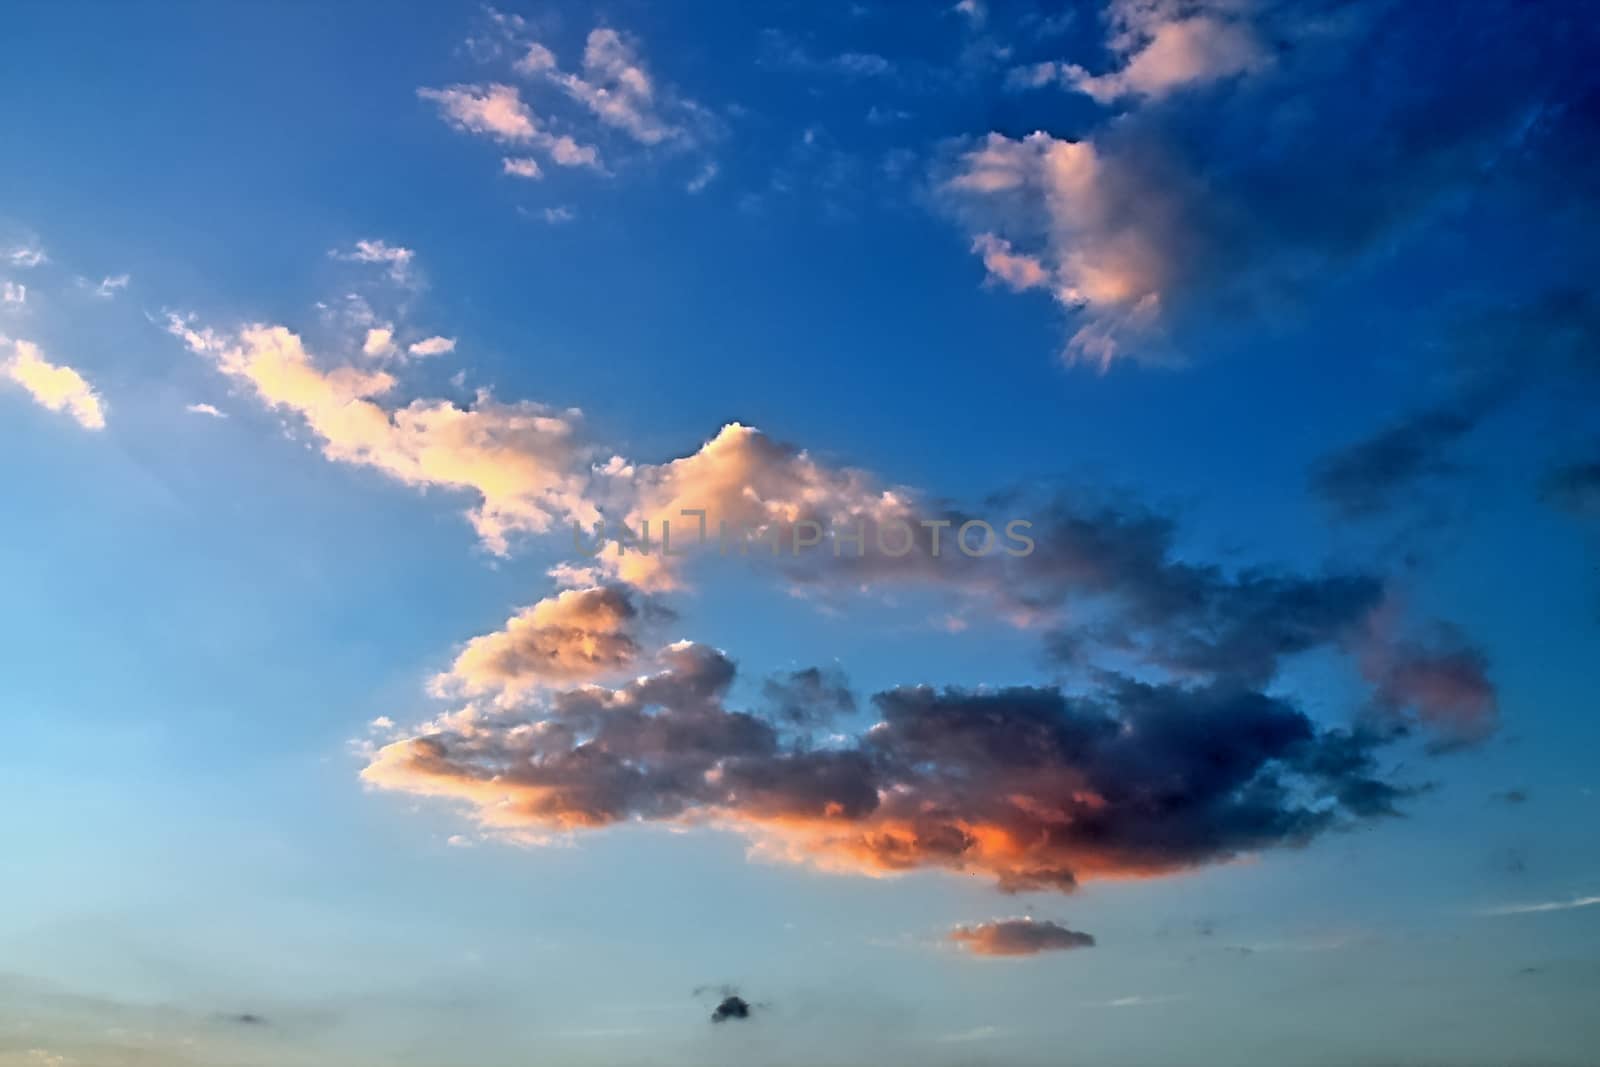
(205, 409)
(432, 346)
(614, 86)
(1166, 46)
(1542, 906)
(576, 635)
(1495, 356)
(25, 256)
(55, 387)
(379, 342)
(14, 293)
(521, 167)
(731, 1007)
(1511, 797)
(497, 111)
(1192, 208)
(1098, 254)
(1017, 937)
(111, 285)
(523, 461)
(399, 261)
(1028, 786)
(1366, 478)
(1439, 678)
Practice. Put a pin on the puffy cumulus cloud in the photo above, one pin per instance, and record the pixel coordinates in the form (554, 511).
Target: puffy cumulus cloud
(576, 635)
(1028, 787)
(1017, 937)
(1166, 45)
(523, 460)
(1094, 231)
(55, 387)
(379, 342)
(742, 480)
(432, 346)
(497, 111)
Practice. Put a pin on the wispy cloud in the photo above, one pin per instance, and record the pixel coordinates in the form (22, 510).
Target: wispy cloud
(1542, 906)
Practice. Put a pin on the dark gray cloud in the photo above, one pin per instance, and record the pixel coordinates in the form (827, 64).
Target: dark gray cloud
(730, 1007)
(1028, 786)
(1495, 357)
(1017, 937)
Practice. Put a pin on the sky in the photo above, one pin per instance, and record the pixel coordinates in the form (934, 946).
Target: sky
(1131, 485)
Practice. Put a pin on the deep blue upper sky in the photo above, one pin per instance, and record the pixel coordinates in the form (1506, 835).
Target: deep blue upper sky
(1276, 320)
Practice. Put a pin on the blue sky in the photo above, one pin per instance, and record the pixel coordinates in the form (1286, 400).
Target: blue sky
(322, 327)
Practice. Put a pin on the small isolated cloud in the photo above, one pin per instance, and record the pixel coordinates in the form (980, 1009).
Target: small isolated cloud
(1511, 797)
(1017, 937)
(53, 386)
(521, 167)
(399, 261)
(111, 285)
(559, 215)
(25, 256)
(1542, 906)
(13, 293)
(498, 112)
(379, 342)
(433, 346)
(205, 409)
(731, 1007)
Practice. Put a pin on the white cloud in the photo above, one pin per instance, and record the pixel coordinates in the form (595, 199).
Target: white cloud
(614, 85)
(521, 167)
(1543, 906)
(379, 342)
(497, 111)
(25, 256)
(399, 260)
(433, 346)
(14, 293)
(524, 461)
(53, 386)
(205, 409)
(1165, 46)
(110, 285)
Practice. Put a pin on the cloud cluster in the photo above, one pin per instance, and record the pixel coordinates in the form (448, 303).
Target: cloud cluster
(1028, 787)
(1017, 937)
(53, 386)
(613, 91)
(1139, 220)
